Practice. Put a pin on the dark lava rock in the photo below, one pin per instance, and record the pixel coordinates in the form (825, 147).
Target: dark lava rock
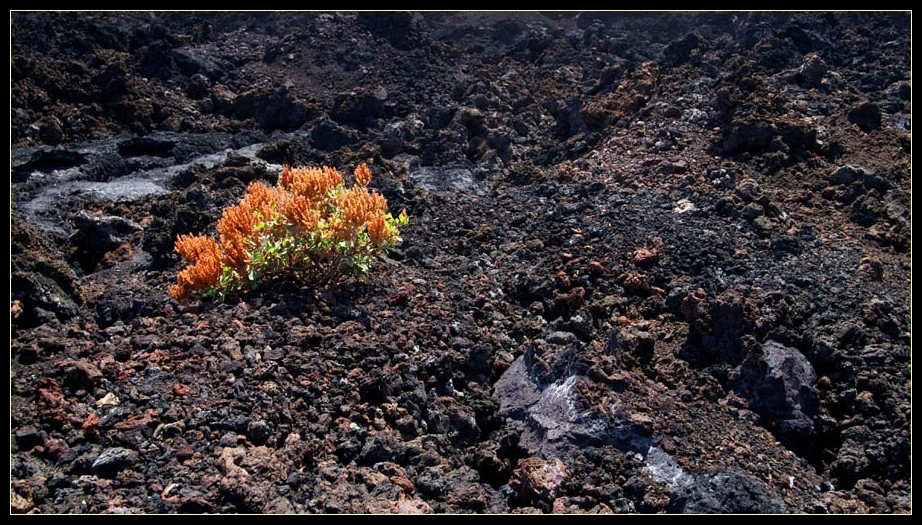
(113, 460)
(847, 174)
(748, 136)
(377, 449)
(259, 432)
(716, 325)
(355, 107)
(725, 492)
(137, 146)
(447, 179)
(852, 462)
(28, 438)
(679, 51)
(327, 135)
(446, 416)
(399, 28)
(780, 384)
(191, 62)
(866, 116)
(813, 69)
(82, 374)
(158, 62)
(98, 235)
(539, 393)
(272, 110)
(40, 278)
(46, 160)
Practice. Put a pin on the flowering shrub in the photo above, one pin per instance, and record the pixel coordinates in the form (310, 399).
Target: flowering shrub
(308, 229)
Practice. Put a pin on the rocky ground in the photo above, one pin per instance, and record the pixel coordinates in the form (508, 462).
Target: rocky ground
(655, 263)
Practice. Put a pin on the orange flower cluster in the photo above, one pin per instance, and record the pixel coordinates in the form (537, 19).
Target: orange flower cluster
(362, 175)
(312, 183)
(262, 201)
(235, 226)
(358, 206)
(377, 229)
(302, 213)
(296, 219)
(204, 254)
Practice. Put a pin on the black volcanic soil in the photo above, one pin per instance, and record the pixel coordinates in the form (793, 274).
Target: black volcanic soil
(655, 263)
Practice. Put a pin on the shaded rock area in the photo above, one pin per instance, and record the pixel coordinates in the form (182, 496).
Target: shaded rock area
(725, 492)
(655, 263)
(43, 286)
(780, 385)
